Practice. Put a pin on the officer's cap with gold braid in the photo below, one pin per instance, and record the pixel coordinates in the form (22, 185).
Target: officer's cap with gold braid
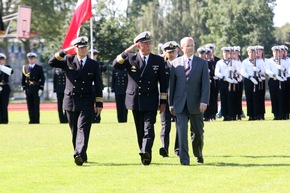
(31, 55)
(169, 46)
(143, 37)
(80, 42)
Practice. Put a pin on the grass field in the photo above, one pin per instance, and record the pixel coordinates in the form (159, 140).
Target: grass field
(240, 157)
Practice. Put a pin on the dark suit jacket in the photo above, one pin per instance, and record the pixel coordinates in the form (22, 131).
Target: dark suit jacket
(79, 94)
(58, 80)
(193, 91)
(119, 81)
(32, 79)
(144, 83)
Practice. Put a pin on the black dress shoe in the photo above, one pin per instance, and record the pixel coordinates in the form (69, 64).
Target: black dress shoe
(79, 160)
(200, 160)
(145, 159)
(163, 152)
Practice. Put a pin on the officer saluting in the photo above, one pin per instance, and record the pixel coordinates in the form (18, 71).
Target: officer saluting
(5, 72)
(33, 83)
(81, 73)
(145, 71)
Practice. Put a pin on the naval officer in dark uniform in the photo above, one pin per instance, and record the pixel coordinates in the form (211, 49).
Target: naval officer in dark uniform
(146, 90)
(80, 101)
(119, 86)
(33, 83)
(58, 88)
(5, 72)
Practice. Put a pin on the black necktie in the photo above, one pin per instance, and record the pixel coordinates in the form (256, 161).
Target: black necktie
(81, 64)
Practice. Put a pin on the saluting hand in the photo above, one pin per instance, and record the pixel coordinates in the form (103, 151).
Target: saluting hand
(69, 48)
(128, 50)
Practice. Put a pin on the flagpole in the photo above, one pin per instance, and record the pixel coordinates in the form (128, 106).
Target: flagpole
(91, 32)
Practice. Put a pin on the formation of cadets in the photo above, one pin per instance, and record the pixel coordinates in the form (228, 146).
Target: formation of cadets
(230, 74)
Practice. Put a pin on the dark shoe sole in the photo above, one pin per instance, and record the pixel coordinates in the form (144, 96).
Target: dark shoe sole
(79, 161)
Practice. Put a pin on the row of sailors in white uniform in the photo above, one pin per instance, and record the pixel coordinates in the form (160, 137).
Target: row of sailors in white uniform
(249, 68)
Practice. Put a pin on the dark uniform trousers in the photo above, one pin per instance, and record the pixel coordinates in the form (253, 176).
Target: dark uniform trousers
(79, 97)
(142, 94)
(252, 97)
(277, 94)
(227, 95)
(4, 97)
(119, 86)
(33, 81)
(59, 86)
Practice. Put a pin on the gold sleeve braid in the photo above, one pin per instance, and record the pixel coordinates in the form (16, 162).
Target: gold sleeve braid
(163, 96)
(120, 59)
(99, 99)
(57, 56)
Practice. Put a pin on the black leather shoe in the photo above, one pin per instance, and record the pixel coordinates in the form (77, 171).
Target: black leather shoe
(200, 160)
(145, 159)
(163, 152)
(79, 160)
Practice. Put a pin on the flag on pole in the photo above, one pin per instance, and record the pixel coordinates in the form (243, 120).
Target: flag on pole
(82, 13)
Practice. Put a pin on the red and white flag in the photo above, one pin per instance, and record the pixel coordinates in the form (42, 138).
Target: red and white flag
(82, 13)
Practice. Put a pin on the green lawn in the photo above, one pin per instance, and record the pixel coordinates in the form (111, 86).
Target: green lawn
(240, 156)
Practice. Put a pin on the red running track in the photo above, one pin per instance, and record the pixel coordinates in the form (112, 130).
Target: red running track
(49, 106)
(52, 106)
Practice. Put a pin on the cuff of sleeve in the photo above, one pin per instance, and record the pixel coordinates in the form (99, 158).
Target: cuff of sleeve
(163, 96)
(60, 55)
(99, 104)
(121, 58)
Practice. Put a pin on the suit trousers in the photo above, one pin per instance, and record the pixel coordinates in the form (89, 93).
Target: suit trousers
(80, 124)
(144, 123)
(196, 130)
(33, 102)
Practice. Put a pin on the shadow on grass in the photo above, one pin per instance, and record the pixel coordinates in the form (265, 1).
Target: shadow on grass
(252, 156)
(91, 164)
(228, 164)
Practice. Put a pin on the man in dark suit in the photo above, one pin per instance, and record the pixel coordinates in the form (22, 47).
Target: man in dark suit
(146, 90)
(188, 98)
(58, 88)
(119, 86)
(81, 73)
(103, 68)
(5, 72)
(33, 83)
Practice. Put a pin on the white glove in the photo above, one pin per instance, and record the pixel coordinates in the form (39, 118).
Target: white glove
(280, 78)
(253, 80)
(231, 69)
(259, 79)
(256, 69)
(6, 70)
(240, 78)
(40, 92)
(215, 77)
(229, 80)
(280, 68)
(263, 77)
(285, 78)
(235, 81)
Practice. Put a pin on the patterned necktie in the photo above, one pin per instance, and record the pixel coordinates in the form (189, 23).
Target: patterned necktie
(187, 68)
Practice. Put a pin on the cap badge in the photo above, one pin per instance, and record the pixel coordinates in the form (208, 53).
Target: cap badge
(147, 36)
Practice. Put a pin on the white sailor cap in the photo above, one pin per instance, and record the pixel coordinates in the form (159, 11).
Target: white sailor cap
(170, 46)
(143, 37)
(201, 50)
(258, 47)
(2, 56)
(226, 48)
(275, 48)
(210, 46)
(80, 41)
(251, 48)
(283, 47)
(237, 48)
(95, 52)
(31, 54)
(208, 50)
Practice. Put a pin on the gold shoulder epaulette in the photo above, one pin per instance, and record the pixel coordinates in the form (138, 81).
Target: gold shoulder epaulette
(27, 74)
